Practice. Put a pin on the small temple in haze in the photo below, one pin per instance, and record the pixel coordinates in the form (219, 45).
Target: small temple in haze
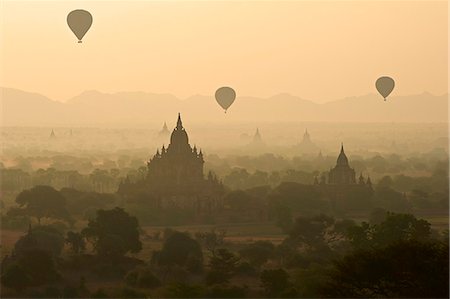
(307, 146)
(164, 131)
(257, 141)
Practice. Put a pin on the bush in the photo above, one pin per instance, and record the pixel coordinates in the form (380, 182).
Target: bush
(181, 250)
(226, 292)
(258, 252)
(100, 293)
(15, 277)
(245, 268)
(131, 293)
(33, 268)
(181, 290)
(42, 237)
(274, 281)
(142, 278)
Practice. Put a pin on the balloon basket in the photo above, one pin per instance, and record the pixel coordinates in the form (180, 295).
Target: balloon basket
(79, 41)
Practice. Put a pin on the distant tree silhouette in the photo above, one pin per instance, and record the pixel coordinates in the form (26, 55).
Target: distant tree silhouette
(318, 232)
(211, 240)
(181, 250)
(113, 233)
(142, 277)
(258, 253)
(274, 281)
(33, 267)
(396, 227)
(15, 277)
(42, 237)
(407, 269)
(222, 266)
(43, 202)
(76, 242)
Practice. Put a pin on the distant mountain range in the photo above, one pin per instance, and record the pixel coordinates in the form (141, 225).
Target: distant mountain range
(20, 108)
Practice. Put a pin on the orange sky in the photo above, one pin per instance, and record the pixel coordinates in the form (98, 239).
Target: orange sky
(316, 50)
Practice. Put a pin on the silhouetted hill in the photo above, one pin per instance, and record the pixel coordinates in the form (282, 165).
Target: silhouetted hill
(93, 107)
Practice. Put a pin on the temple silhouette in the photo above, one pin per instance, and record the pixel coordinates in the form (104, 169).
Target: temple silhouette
(164, 131)
(180, 165)
(257, 142)
(339, 185)
(175, 177)
(52, 134)
(342, 174)
(307, 146)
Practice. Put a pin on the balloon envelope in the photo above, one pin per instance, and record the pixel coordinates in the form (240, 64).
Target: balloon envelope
(225, 96)
(79, 22)
(385, 85)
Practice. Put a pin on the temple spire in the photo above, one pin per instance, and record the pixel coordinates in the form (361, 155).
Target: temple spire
(179, 123)
(257, 134)
(342, 158)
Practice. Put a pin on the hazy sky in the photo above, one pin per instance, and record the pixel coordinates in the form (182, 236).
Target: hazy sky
(316, 50)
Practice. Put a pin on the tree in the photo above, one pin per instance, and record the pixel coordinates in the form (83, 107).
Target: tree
(33, 267)
(408, 269)
(181, 250)
(222, 266)
(283, 217)
(296, 198)
(40, 265)
(113, 233)
(43, 202)
(41, 237)
(219, 291)
(274, 281)
(182, 290)
(385, 182)
(377, 216)
(318, 232)
(391, 200)
(258, 252)
(15, 277)
(142, 277)
(396, 227)
(211, 240)
(76, 242)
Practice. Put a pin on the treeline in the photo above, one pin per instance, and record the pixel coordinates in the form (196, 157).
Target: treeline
(280, 204)
(92, 173)
(99, 180)
(392, 255)
(61, 208)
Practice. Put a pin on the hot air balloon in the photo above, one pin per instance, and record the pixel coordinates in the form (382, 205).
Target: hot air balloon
(79, 22)
(385, 85)
(225, 96)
